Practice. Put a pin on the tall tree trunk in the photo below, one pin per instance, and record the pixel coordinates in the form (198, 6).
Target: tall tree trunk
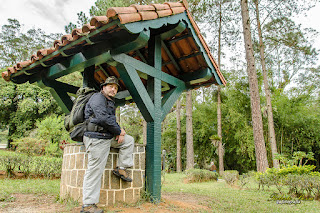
(220, 147)
(189, 133)
(178, 136)
(260, 147)
(272, 134)
(144, 130)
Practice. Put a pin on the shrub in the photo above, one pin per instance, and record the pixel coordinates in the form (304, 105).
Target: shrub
(52, 129)
(40, 166)
(9, 162)
(300, 180)
(53, 150)
(245, 178)
(30, 145)
(230, 176)
(201, 175)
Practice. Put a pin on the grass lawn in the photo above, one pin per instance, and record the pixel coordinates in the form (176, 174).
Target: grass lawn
(218, 196)
(26, 186)
(224, 198)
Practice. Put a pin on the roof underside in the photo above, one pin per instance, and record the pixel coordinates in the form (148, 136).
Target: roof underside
(126, 30)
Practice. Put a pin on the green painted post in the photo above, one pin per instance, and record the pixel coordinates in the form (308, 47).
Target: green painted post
(153, 147)
(151, 105)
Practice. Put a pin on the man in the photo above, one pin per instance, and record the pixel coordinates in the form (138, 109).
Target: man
(102, 133)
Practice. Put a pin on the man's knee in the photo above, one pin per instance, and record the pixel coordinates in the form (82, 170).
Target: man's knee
(129, 139)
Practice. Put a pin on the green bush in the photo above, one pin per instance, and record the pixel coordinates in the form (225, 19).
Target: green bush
(230, 176)
(40, 166)
(52, 129)
(301, 181)
(30, 146)
(10, 162)
(245, 178)
(201, 175)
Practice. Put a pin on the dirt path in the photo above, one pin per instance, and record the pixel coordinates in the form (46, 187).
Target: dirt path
(172, 202)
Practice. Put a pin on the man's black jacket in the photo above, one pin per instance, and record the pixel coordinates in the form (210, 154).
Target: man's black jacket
(101, 112)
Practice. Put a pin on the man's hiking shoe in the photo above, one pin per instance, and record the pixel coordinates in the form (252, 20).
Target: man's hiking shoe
(91, 208)
(122, 173)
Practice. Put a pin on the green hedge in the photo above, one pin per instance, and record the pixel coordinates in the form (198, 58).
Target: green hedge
(201, 175)
(301, 181)
(38, 166)
(230, 176)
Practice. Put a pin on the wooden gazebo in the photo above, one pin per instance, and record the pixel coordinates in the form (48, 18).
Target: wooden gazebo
(155, 50)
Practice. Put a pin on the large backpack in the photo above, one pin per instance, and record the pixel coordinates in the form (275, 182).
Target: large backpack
(75, 123)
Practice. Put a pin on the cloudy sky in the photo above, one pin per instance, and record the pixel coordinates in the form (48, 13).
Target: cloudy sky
(48, 15)
(52, 15)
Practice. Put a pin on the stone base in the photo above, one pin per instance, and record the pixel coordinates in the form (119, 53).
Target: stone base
(113, 189)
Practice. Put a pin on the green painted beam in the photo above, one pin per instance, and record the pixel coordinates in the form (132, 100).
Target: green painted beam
(206, 57)
(137, 90)
(179, 38)
(178, 29)
(147, 69)
(122, 94)
(169, 99)
(172, 58)
(138, 43)
(197, 76)
(59, 93)
(190, 56)
(88, 78)
(139, 26)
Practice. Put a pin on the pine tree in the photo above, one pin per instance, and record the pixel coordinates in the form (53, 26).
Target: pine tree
(260, 148)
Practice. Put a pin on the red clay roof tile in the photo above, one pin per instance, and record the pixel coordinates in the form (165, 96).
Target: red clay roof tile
(163, 13)
(99, 21)
(11, 70)
(23, 64)
(5, 75)
(177, 10)
(134, 13)
(174, 4)
(143, 7)
(161, 6)
(148, 15)
(113, 11)
(57, 44)
(34, 58)
(128, 18)
(76, 33)
(66, 39)
(87, 28)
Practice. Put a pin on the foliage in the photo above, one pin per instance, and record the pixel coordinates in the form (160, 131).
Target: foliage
(230, 176)
(52, 129)
(30, 146)
(200, 175)
(10, 163)
(131, 120)
(21, 105)
(45, 139)
(39, 166)
(16, 45)
(299, 178)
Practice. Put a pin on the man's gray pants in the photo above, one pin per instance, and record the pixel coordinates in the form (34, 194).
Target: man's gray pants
(98, 151)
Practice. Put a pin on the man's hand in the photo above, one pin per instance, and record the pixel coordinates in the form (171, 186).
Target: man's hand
(119, 138)
(123, 133)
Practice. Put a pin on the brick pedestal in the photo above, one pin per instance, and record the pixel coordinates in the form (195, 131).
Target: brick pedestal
(113, 189)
